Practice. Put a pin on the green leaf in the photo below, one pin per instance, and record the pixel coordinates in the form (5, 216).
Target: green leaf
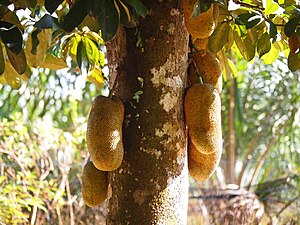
(294, 43)
(82, 59)
(51, 5)
(32, 3)
(90, 22)
(53, 63)
(11, 17)
(35, 41)
(243, 18)
(273, 31)
(18, 61)
(125, 15)
(294, 61)
(71, 45)
(46, 22)
(230, 39)
(36, 48)
(139, 7)
(11, 36)
(219, 37)
(5, 2)
(272, 55)
(196, 9)
(233, 68)
(199, 8)
(245, 45)
(2, 62)
(94, 7)
(92, 52)
(96, 77)
(12, 77)
(263, 44)
(253, 23)
(109, 20)
(271, 7)
(226, 71)
(22, 4)
(75, 16)
(291, 26)
(95, 38)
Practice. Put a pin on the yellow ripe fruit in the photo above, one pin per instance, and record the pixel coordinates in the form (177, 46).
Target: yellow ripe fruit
(202, 166)
(202, 106)
(205, 64)
(207, 141)
(201, 26)
(94, 185)
(104, 133)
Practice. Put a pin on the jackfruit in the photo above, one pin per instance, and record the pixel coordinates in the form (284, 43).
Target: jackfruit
(201, 26)
(202, 107)
(201, 44)
(202, 166)
(208, 67)
(104, 133)
(94, 185)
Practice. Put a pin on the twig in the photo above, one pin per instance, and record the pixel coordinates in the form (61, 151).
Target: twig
(261, 161)
(72, 221)
(264, 155)
(249, 153)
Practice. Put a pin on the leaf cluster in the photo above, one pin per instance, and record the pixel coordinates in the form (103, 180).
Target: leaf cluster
(258, 28)
(55, 31)
(46, 37)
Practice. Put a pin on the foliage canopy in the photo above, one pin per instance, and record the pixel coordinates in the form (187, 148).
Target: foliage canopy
(64, 33)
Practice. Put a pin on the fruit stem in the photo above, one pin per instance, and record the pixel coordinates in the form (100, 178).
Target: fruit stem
(192, 62)
(110, 95)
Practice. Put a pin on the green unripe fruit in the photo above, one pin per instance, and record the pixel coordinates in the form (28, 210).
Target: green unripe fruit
(94, 185)
(104, 133)
(202, 166)
(202, 106)
(205, 64)
(204, 24)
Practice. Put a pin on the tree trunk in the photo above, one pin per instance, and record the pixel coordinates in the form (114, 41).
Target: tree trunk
(148, 69)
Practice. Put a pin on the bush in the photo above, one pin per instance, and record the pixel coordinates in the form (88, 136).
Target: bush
(40, 171)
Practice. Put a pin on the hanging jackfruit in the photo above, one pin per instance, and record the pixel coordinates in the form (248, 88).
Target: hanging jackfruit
(202, 106)
(205, 64)
(104, 133)
(202, 166)
(94, 185)
(201, 26)
(201, 43)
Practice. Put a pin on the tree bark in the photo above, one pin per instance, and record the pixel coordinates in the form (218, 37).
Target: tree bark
(148, 67)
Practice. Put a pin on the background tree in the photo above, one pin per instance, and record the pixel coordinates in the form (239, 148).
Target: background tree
(153, 176)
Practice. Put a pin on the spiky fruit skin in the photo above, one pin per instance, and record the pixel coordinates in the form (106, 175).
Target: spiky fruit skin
(202, 166)
(94, 185)
(208, 67)
(201, 26)
(104, 133)
(202, 107)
